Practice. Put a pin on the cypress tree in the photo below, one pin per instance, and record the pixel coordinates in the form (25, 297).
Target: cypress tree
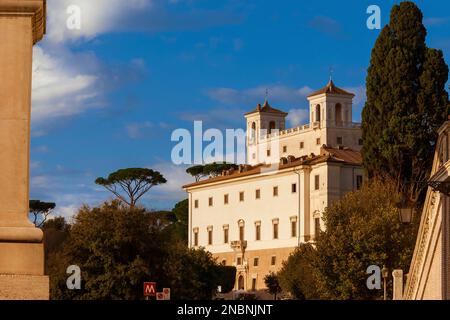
(406, 102)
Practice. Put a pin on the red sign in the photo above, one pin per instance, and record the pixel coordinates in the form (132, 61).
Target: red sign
(149, 289)
(166, 292)
(160, 296)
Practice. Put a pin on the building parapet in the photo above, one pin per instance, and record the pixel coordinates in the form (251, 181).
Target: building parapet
(316, 125)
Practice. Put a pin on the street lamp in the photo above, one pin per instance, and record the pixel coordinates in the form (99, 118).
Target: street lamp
(406, 211)
(385, 275)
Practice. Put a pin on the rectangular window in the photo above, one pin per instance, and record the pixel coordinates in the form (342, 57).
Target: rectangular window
(268, 152)
(225, 199)
(239, 261)
(359, 181)
(273, 261)
(241, 196)
(284, 149)
(316, 226)
(258, 194)
(195, 238)
(258, 232)
(196, 204)
(302, 145)
(275, 230)
(316, 182)
(210, 237)
(293, 229)
(225, 235)
(210, 201)
(339, 140)
(275, 191)
(241, 233)
(294, 188)
(318, 141)
(253, 284)
(256, 262)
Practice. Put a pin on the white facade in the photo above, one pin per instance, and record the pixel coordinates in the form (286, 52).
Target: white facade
(330, 123)
(255, 217)
(429, 273)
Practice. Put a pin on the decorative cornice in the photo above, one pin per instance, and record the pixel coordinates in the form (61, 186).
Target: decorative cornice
(35, 8)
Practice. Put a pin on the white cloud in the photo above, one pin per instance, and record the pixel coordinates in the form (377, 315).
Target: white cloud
(65, 211)
(97, 16)
(297, 117)
(279, 93)
(176, 177)
(59, 88)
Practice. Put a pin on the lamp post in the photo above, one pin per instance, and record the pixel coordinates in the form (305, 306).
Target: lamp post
(406, 211)
(385, 274)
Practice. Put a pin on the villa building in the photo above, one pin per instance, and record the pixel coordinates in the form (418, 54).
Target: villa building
(254, 217)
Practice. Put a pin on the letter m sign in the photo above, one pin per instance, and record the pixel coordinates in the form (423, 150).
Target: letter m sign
(149, 289)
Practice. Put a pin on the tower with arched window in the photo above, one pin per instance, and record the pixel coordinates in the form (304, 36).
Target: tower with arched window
(331, 107)
(261, 122)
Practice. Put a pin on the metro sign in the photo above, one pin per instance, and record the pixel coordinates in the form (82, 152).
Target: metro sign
(166, 292)
(149, 289)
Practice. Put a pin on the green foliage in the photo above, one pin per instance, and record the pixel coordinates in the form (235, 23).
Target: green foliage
(133, 182)
(40, 211)
(362, 229)
(118, 249)
(56, 232)
(297, 275)
(212, 169)
(272, 284)
(406, 102)
(181, 213)
(196, 172)
(226, 276)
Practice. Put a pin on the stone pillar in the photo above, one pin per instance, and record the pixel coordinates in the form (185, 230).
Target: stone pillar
(398, 284)
(22, 24)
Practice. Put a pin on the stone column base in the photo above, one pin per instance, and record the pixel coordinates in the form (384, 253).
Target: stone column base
(24, 287)
(22, 258)
(22, 272)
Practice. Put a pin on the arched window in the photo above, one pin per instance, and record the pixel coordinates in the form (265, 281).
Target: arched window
(253, 130)
(241, 225)
(338, 114)
(318, 113)
(272, 126)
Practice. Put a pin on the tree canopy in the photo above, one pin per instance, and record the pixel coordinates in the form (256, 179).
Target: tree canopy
(406, 102)
(212, 169)
(362, 229)
(129, 185)
(272, 284)
(181, 213)
(117, 249)
(40, 211)
(297, 275)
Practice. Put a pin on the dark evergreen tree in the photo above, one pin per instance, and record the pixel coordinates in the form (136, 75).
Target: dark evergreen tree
(406, 102)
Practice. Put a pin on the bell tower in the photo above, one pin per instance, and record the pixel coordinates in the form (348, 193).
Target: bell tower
(263, 121)
(330, 107)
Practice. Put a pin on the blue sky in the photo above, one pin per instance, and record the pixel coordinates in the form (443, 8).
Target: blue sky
(109, 95)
